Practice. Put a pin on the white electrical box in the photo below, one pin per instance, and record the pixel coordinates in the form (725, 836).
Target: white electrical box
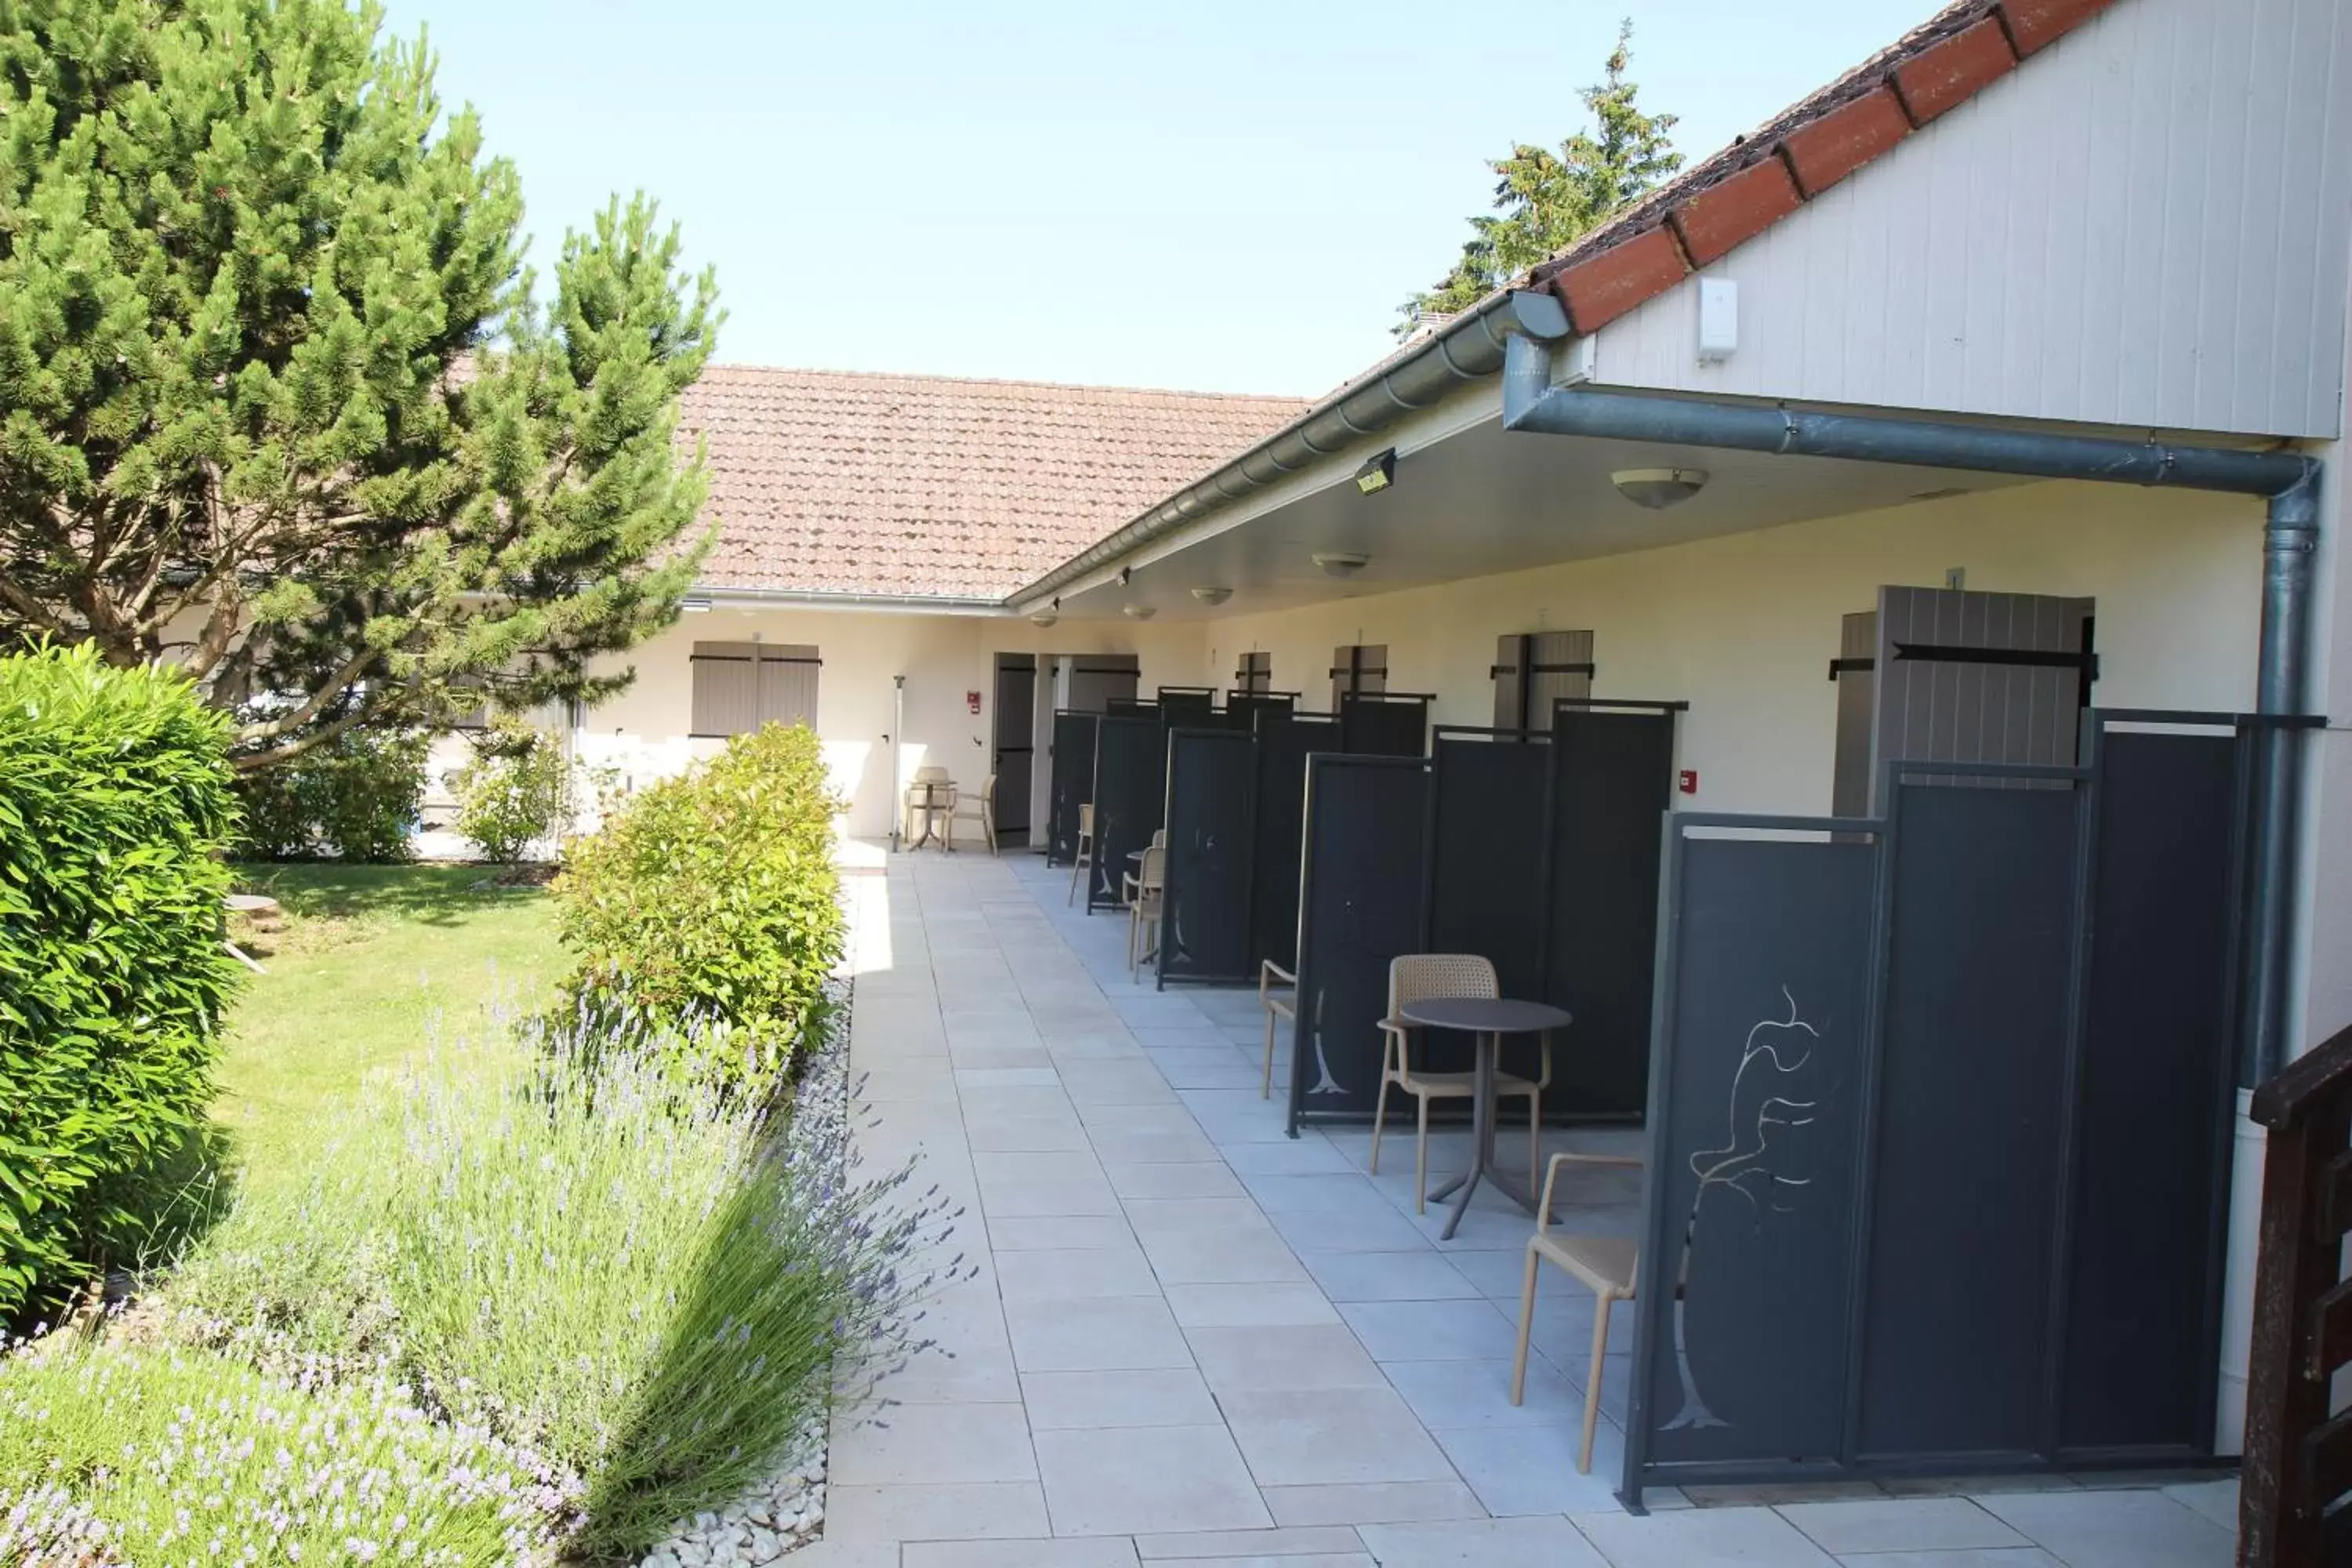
(1718, 318)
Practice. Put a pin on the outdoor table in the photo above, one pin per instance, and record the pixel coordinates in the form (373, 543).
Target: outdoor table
(1489, 1018)
(933, 799)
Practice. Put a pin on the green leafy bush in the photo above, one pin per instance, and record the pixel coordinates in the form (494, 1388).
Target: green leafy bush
(114, 805)
(116, 1454)
(355, 797)
(633, 1279)
(712, 901)
(514, 792)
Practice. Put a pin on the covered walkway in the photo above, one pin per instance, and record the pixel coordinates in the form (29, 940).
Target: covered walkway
(1193, 1339)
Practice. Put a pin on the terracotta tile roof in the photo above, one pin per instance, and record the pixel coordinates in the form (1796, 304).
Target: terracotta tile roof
(1741, 191)
(838, 482)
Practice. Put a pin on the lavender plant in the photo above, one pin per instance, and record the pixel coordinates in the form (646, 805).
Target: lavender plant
(572, 1247)
(123, 1455)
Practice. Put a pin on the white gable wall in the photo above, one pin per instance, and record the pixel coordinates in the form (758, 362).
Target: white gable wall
(2145, 225)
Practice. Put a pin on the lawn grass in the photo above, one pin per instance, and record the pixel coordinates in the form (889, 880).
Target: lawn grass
(372, 965)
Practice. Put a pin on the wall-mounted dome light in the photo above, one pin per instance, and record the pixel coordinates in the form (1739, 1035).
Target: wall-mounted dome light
(1044, 619)
(1213, 596)
(1341, 563)
(1139, 611)
(1658, 488)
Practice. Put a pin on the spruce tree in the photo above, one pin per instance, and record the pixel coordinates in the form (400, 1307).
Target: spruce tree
(1545, 201)
(278, 399)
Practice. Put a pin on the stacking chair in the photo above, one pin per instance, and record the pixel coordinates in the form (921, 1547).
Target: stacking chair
(1141, 896)
(1413, 978)
(1277, 1006)
(983, 810)
(1086, 853)
(1608, 1266)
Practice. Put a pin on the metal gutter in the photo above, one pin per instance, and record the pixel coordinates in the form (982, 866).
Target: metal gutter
(2288, 481)
(1469, 347)
(812, 599)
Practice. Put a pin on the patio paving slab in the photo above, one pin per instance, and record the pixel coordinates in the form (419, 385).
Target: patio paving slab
(1339, 1436)
(1125, 1481)
(1106, 1552)
(2116, 1529)
(1203, 1546)
(966, 1443)
(1900, 1524)
(1481, 1543)
(1072, 1401)
(1702, 1537)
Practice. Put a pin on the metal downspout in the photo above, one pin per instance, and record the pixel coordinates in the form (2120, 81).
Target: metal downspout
(2289, 482)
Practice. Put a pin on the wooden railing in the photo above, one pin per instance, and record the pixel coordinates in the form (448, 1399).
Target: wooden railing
(2294, 1509)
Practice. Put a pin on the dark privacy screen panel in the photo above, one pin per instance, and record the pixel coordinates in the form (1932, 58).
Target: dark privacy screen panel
(1485, 861)
(1284, 742)
(1971, 1096)
(1188, 706)
(1360, 907)
(1127, 784)
(1612, 782)
(1241, 708)
(1072, 783)
(1760, 1122)
(2158, 1071)
(1385, 726)
(1205, 931)
(2042, 1095)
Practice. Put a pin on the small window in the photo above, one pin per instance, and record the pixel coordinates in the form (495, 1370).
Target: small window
(739, 687)
(1358, 670)
(1256, 674)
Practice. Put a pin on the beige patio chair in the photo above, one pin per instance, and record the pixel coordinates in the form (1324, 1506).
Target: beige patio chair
(981, 810)
(1277, 1006)
(1085, 852)
(1416, 976)
(1141, 896)
(1608, 1266)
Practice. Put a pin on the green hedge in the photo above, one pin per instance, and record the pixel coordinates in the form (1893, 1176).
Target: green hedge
(114, 806)
(355, 797)
(709, 908)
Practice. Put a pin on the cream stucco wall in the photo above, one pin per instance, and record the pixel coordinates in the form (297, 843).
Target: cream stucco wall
(1743, 628)
(642, 733)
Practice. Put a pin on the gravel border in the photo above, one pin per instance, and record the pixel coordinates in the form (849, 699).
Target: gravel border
(788, 1512)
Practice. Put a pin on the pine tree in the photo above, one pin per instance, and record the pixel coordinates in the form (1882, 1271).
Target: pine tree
(1545, 201)
(278, 399)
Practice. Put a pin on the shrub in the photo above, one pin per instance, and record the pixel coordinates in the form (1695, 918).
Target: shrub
(114, 804)
(122, 1455)
(356, 797)
(712, 898)
(514, 792)
(570, 1250)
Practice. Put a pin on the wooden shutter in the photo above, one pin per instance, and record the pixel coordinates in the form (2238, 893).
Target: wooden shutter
(1533, 669)
(1979, 677)
(1360, 669)
(726, 688)
(788, 679)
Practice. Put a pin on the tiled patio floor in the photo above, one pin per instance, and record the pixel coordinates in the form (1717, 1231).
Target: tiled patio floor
(1191, 1339)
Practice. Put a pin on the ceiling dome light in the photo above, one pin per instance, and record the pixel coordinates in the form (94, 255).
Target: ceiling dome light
(1341, 563)
(1658, 488)
(1044, 619)
(1213, 596)
(1139, 611)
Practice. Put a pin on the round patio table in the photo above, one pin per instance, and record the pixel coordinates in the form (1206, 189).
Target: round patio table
(1489, 1018)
